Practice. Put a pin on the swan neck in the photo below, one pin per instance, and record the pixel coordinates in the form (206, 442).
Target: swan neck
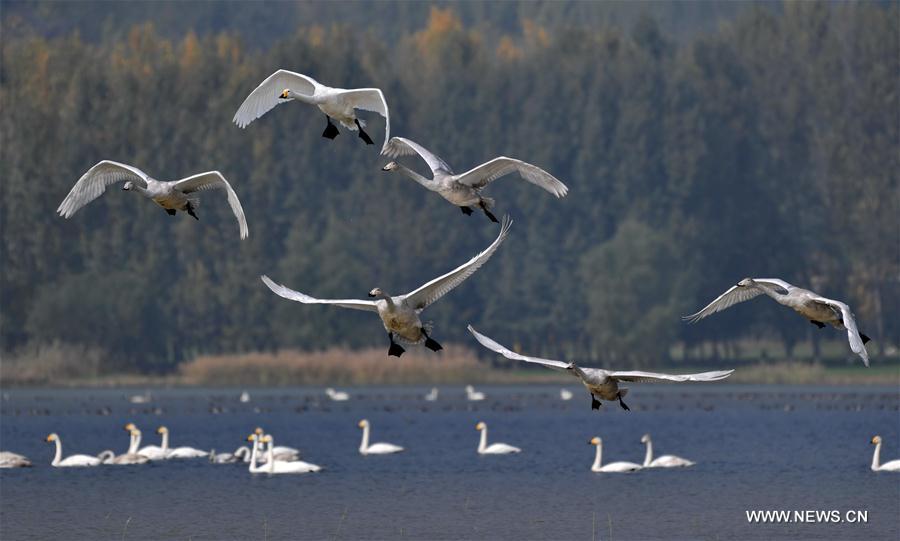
(428, 183)
(598, 457)
(876, 457)
(253, 455)
(482, 444)
(58, 456)
(770, 291)
(141, 190)
(132, 445)
(270, 456)
(165, 442)
(137, 441)
(364, 445)
(648, 458)
(302, 97)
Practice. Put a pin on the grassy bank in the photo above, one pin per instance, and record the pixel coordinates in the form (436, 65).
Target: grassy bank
(337, 366)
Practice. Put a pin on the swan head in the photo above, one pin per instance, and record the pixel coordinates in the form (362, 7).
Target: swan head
(362, 424)
(595, 441)
(285, 94)
(258, 431)
(469, 388)
(745, 282)
(480, 425)
(251, 437)
(377, 292)
(645, 438)
(266, 439)
(390, 166)
(128, 186)
(52, 437)
(162, 430)
(876, 440)
(129, 427)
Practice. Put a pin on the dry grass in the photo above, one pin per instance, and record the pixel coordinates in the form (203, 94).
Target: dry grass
(46, 364)
(798, 373)
(337, 366)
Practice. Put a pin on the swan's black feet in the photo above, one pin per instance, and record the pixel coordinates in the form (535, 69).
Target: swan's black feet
(466, 210)
(331, 130)
(818, 324)
(395, 350)
(190, 210)
(624, 407)
(865, 338)
(432, 345)
(363, 135)
(170, 212)
(488, 213)
(595, 404)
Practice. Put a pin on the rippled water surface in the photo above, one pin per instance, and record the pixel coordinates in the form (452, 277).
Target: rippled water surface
(775, 447)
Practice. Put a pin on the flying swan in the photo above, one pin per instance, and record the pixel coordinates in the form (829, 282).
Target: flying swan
(375, 448)
(494, 448)
(893, 465)
(602, 384)
(71, 461)
(814, 307)
(612, 467)
(337, 103)
(464, 190)
(173, 196)
(400, 314)
(665, 461)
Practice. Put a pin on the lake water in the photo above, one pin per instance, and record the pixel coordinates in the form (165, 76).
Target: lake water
(767, 448)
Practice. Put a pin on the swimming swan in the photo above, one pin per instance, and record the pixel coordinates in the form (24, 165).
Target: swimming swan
(565, 394)
(613, 467)
(893, 465)
(13, 460)
(241, 454)
(602, 384)
(472, 395)
(432, 395)
(464, 190)
(375, 448)
(337, 103)
(816, 308)
(400, 314)
(281, 452)
(494, 448)
(178, 452)
(71, 461)
(272, 465)
(153, 452)
(337, 396)
(109, 457)
(173, 195)
(665, 461)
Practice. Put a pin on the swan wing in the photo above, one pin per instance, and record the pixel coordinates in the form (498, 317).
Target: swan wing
(401, 146)
(670, 461)
(501, 449)
(213, 180)
(92, 184)
(893, 465)
(370, 99)
(80, 460)
(488, 172)
(509, 354)
(290, 294)
(621, 467)
(734, 295)
(384, 448)
(856, 343)
(440, 286)
(266, 96)
(651, 377)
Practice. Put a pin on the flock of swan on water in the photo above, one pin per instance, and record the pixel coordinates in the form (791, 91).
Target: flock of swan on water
(400, 314)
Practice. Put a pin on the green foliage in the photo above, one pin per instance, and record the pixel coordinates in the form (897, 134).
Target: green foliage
(768, 147)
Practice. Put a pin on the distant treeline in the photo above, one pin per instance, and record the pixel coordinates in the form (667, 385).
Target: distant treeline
(766, 148)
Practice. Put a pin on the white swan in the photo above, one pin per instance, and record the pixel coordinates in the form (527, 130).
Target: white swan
(272, 465)
(613, 467)
(665, 461)
(375, 448)
(71, 461)
(494, 448)
(893, 465)
(464, 190)
(173, 195)
(432, 395)
(565, 394)
(400, 314)
(337, 396)
(602, 384)
(153, 452)
(178, 452)
(245, 397)
(337, 103)
(472, 395)
(109, 457)
(814, 307)
(281, 452)
(13, 460)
